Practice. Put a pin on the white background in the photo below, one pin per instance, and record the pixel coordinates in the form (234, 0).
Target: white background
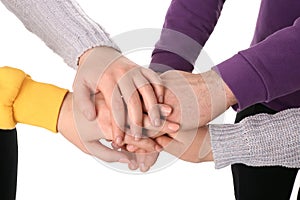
(51, 168)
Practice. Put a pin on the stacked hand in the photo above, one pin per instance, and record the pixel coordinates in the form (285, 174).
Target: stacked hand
(121, 82)
(196, 99)
(117, 100)
(111, 95)
(86, 134)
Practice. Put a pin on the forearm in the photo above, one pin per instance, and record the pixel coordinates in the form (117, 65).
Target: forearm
(188, 25)
(26, 101)
(266, 71)
(260, 140)
(62, 25)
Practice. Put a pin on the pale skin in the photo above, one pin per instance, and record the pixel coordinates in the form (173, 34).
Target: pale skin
(214, 98)
(192, 149)
(192, 144)
(105, 70)
(211, 94)
(70, 124)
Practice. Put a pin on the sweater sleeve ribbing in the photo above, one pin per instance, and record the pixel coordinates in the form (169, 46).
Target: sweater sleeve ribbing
(260, 140)
(62, 25)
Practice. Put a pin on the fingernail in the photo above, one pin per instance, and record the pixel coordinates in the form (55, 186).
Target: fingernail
(157, 122)
(173, 127)
(115, 145)
(142, 166)
(133, 165)
(166, 110)
(119, 140)
(161, 99)
(124, 160)
(130, 148)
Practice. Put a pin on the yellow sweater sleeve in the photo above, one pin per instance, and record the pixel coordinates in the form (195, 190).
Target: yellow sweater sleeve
(26, 101)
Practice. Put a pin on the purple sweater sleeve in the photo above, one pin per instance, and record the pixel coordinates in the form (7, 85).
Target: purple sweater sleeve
(188, 25)
(267, 70)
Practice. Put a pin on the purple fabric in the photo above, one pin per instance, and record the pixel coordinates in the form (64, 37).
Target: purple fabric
(268, 72)
(195, 19)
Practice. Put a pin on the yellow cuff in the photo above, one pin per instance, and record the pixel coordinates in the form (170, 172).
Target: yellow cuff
(39, 104)
(11, 80)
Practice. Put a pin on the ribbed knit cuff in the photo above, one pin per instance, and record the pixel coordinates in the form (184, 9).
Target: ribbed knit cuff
(260, 140)
(228, 144)
(62, 25)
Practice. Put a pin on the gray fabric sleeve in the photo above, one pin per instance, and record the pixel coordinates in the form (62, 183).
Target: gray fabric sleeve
(260, 140)
(62, 25)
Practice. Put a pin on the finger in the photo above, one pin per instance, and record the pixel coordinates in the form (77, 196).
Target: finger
(133, 165)
(118, 112)
(145, 143)
(118, 134)
(146, 160)
(106, 154)
(104, 118)
(135, 115)
(156, 83)
(134, 106)
(164, 140)
(141, 158)
(149, 99)
(165, 110)
(150, 159)
(115, 146)
(131, 148)
(132, 157)
(166, 127)
(82, 100)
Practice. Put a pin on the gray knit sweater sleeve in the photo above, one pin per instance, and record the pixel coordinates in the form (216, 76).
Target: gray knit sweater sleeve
(62, 25)
(260, 140)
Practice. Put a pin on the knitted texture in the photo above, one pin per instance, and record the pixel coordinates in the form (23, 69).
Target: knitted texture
(260, 140)
(62, 25)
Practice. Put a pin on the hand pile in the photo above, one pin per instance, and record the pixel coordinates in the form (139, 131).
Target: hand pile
(141, 112)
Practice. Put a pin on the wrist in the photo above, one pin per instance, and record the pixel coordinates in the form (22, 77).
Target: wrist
(65, 113)
(205, 151)
(103, 54)
(212, 77)
(231, 99)
(66, 123)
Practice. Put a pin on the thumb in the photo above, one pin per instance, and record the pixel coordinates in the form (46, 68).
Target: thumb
(83, 101)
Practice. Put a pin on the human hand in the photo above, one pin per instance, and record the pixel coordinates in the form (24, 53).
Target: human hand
(146, 150)
(86, 135)
(192, 145)
(106, 70)
(196, 99)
